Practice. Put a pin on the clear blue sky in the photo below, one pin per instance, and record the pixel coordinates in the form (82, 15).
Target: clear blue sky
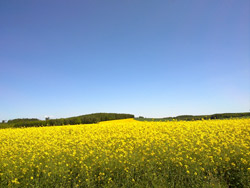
(150, 58)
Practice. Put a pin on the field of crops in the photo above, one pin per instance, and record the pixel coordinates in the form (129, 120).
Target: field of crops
(128, 153)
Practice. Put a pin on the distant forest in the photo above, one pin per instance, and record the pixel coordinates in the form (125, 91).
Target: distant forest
(84, 119)
(199, 117)
(98, 117)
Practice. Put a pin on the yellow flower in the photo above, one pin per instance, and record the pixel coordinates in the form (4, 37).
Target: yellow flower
(97, 151)
(15, 181)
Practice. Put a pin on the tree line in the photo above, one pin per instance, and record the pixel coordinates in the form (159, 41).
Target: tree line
(213, 116)
(199, 117)
(84, 119)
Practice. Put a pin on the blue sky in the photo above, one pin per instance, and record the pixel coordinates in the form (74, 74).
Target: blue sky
(149, 58)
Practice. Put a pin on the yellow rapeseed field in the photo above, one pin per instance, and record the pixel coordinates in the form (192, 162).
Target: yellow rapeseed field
(128, 153)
